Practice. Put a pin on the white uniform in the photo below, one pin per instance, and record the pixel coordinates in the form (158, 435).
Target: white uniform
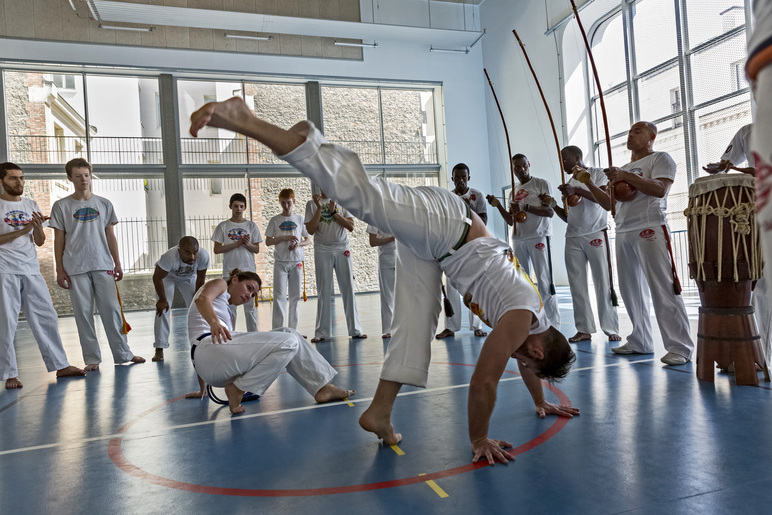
(759, 70)
(23, 288)
(181, 276)
(645, 263)
(428, 223)
(228, 232)
(387, 277)
(252, 361)
(739, 149)
(287, 267)
(332, 252)
(478, 204)
(531, 243)
(586, 244)
(88, 262)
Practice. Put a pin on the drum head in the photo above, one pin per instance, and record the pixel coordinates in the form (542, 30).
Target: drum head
(715, 182)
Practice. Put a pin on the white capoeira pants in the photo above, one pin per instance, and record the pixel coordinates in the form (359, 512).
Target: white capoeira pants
(427, 223)
(581, 251)
(99, 286)
(187, 287)
(387, 277)
(763, 312)
(252, 361)
(534, 251)
(339, 261)
(286, 272)
(644, 266)
(30, 294)
(454, 323)
(250, 312)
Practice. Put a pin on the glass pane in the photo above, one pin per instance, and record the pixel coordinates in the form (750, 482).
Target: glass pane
(128, 131)
(352, 119)
(717, 124)
(660, 94)
(618, 114)
(213, 146)
(619, 152)
(608, 48)
(655, 33)
(710, 18)
(408, 126)
(281, 104)
(670, 139)
(46, 117)
(719, 69)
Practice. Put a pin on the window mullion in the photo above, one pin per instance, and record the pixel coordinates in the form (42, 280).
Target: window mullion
(632, 67)
(687, 93)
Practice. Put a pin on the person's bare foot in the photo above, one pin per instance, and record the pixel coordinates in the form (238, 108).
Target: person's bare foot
(359, 337)
(231, 114)
(195, 395)
(234, 398)
(70, 372)
(93, 367)
(137, 359)
(159, 355)
(480, 332)
(317, 340)
(582, 337)
(447, 333)
(387, 335)
(330, 392)
(13, 383)
(615, 338)
(382, 427)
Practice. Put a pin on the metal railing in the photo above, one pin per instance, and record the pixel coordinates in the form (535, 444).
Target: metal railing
(104, 150)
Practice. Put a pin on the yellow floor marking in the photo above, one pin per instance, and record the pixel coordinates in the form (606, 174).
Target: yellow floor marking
(349, 402)
(434, 486)
(396, 449)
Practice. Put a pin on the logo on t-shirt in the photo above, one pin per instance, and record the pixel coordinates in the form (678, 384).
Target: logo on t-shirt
(597, 242)
(327, 216)
(17, 219)
(347, 253)
(299, 265)
(729, 148)
(288, 225)
(237, 233)
(86, 214)
(520, 195)
(648, 234)
(476, 309)
(637, 171)
(541, 247)
(185, 270)
(472, 197)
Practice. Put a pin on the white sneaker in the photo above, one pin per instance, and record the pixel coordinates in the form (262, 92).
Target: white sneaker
(625, 349)
(672, 359)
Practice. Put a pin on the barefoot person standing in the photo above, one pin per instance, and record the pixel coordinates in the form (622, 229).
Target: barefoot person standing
(21, 285)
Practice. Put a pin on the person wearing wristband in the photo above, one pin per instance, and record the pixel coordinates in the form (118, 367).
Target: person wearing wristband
(330, 224)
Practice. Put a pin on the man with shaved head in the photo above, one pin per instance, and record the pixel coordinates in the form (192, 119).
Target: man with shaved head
(182, 267)
(643, 250)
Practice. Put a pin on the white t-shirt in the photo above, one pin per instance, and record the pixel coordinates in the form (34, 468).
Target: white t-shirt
(292, 225)
(387, 254)
(761, 39)
(476, 201)
(84, 223)
(196, 323)
(18, 256)
(500, 286)
(739, 150)
(330, 235)
(171, 262)
(587, 217)
(535, 226)
(228, 232)
(644, 210)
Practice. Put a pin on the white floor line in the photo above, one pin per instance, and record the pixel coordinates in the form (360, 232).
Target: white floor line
(136, 435)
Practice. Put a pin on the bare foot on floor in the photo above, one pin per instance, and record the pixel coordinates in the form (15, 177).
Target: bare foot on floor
(581, 337)
(13, 383)
(381, 427)
(330, 392)
(234, 398)
(360, 337)
(447, 333)
(92, 367)
(195, 395)
(317, 340)
(480, 332)
(159, 355)
(387, 335)
(71, 372)
(137, 359)
(615, 338)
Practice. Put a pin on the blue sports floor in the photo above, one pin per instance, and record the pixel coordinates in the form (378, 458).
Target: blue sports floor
(650, 439)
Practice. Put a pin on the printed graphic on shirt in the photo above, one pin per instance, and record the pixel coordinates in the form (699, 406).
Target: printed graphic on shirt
(327, 216)
(16, 219)
(648, 234)
(728, 149)
(347, 253)
(86, 214)
(299, 265)
(636, 171)
(472, 197)
(476, 309)
(597, 243)
(288, 225)
(237, 233)
(541, 247)
(521, 195)
(184, 270)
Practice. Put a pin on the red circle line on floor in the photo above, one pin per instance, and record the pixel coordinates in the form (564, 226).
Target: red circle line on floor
(120, 460)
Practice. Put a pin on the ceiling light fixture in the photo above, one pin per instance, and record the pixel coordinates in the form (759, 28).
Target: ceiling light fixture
(257, 38)
(361, 45)
(135, 29)
(449, 50)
